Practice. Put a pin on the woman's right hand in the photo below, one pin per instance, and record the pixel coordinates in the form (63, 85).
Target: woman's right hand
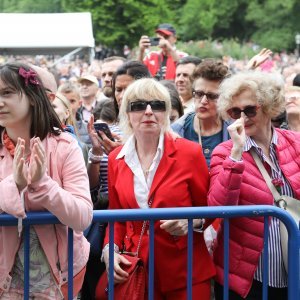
(19, 167)
(238, 136)
(96, 143)
(119, 274)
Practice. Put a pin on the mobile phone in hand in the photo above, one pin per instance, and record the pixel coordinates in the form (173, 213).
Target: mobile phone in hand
(154, 41)
(104, 128)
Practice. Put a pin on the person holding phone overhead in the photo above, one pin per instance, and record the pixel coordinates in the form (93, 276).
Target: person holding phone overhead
(251, 99)
(161, 64)
(149, 172)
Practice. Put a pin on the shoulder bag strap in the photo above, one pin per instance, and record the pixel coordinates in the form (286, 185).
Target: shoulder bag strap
(265, 175)
(143, 230)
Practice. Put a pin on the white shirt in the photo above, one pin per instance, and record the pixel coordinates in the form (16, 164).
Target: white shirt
(189, 106)
(141, 184)
(86, 114)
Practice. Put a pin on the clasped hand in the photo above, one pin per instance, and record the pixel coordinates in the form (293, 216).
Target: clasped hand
(25, 174)
(238, 136)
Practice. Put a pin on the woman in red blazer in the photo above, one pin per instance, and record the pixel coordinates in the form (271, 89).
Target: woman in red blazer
(154, 167)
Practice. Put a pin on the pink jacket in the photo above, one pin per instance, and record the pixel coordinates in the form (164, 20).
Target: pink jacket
(241, 183)
(63, 191)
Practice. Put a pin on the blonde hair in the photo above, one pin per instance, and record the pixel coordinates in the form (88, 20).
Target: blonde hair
(144, 89)
(70, 120)
(268, 89)
(292, 88)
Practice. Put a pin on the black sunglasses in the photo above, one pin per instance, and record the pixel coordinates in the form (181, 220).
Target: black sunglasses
(141, 105)
(209, 96)
(250, 111)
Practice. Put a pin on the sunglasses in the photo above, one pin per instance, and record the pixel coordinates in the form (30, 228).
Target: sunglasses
(250, 111)
(209, 96)
(141, 105)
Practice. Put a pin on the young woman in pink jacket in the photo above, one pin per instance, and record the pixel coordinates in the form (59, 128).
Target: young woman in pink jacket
(252, 99)
(41, 169)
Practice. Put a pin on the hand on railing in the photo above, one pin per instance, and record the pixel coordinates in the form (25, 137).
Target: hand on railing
(175, 227)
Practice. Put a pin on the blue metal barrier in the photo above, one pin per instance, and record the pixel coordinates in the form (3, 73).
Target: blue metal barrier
(178, 213)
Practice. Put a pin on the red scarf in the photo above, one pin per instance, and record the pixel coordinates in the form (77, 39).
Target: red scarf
(9, 144)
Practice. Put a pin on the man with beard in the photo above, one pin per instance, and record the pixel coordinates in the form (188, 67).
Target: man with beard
(108, 68)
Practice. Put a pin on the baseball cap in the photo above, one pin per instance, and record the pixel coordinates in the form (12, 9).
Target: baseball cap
(90, 78)
(166, 29)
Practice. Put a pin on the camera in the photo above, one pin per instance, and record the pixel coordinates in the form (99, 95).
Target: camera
(154, 41)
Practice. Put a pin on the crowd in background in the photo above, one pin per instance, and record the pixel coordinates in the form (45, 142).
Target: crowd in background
(223, 110)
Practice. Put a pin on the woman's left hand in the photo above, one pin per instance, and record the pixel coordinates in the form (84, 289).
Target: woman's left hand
(37, 166)
(175, 227)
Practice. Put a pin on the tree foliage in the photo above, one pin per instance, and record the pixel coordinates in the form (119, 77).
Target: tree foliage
(270, 23)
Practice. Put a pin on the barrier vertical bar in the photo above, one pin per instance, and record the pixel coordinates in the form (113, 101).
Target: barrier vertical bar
(111, 260)
(151, 261)
(190, 260)
(26, 260)
(293, 268)
(226, 259)
(266, 259)
(70, 263)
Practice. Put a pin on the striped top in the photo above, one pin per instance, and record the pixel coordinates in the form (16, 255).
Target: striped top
(103, 175)
(277, 274)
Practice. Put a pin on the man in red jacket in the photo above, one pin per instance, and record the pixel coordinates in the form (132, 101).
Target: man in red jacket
(161, 64)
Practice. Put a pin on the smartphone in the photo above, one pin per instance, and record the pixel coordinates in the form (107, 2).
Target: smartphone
(103, 127)
(154, 41)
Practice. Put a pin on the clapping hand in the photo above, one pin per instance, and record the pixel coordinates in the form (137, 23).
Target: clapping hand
(25, 174)
(37, 164)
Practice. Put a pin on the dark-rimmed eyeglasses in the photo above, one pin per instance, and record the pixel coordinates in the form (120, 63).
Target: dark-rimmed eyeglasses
(250, 111)
(141, 105)
(209, 96)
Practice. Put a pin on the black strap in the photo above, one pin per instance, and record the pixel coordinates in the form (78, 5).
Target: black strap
(161, 73)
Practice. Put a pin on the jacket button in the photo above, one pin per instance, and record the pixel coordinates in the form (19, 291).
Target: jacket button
(64, 279)
(31, 190)
(5, 286)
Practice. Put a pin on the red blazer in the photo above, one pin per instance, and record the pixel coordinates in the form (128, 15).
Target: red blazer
(181, 180)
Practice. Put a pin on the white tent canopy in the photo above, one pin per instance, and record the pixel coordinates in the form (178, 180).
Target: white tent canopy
(32, 34)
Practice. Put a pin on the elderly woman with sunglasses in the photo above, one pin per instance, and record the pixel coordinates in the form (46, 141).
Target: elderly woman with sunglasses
(252, 99)
(153, 170)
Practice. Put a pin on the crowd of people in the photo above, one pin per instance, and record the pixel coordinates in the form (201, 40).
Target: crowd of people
(163, 130)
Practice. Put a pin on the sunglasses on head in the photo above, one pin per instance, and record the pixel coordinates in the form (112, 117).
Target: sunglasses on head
(209, 96)
(250, 111)
(141, 105)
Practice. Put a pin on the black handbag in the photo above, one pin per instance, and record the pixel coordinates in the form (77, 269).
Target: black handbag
(95, 233)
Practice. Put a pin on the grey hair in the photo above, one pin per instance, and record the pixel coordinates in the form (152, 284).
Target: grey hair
(146, 89)
(268, 89)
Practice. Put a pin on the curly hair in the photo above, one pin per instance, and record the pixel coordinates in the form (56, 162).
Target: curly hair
(211, 69)
(268, 89)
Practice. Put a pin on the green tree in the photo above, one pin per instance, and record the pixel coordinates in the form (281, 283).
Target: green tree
(30, 6)
(120, 22)
(276, 22)
(198, 19)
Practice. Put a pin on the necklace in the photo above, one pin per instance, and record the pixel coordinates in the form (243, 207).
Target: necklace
(146, 172)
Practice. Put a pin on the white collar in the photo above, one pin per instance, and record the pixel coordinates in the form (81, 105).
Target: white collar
(129, 149)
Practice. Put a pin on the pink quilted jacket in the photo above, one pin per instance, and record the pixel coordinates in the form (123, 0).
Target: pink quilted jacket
(240, 183)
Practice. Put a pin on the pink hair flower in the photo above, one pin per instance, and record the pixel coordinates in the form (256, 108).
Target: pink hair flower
(29, 76)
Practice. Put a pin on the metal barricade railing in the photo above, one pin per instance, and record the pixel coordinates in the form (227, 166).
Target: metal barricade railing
(189, 213)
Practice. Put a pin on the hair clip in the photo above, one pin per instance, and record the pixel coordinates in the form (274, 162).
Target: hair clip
(30, 76)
